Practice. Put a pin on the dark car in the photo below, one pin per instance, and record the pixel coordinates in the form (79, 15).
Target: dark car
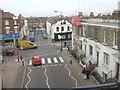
(8, 52)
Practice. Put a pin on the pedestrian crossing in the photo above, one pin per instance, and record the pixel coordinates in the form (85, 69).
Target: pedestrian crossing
(53, 60)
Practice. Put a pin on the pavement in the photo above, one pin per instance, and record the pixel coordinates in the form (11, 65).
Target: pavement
(14, 72)
(77, 68)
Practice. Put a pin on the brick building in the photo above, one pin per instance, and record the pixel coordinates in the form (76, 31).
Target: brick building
(9, 28)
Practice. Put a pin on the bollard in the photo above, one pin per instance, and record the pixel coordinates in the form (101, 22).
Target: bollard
(70, 61)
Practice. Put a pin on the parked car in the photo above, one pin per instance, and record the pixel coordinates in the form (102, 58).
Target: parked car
(8, 52)
(36, 60)
(45, 36)
(32, 39)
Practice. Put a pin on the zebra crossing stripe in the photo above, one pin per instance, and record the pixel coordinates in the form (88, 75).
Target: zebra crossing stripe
(30, 62)
(43, 60)
(49, 60)
(55, 60)
(61, 59)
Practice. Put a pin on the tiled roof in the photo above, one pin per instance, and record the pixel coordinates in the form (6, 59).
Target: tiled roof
(8, 15)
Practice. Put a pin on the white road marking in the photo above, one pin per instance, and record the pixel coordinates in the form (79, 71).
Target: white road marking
(46, 77)
(61, 59)
(71, 76)
(28, 78)
(55, 59)
(43, 60)
(49, 60)
(30, 62)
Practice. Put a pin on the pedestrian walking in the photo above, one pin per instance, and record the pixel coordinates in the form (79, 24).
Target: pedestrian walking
(84, 73)
(87, 73)
(70, 59)
(21, 57)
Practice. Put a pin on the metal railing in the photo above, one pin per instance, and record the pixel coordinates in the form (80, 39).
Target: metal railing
(109, 86)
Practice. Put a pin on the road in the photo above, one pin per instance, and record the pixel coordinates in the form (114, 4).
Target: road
(54, 71)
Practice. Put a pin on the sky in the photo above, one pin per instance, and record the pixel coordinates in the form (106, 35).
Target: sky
(67, 7)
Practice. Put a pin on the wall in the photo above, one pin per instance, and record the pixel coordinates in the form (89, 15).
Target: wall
(100, 48)
(58, 24)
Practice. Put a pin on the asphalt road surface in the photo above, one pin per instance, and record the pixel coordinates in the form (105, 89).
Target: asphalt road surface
(53, 73)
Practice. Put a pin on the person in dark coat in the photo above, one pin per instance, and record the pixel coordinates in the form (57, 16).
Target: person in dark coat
(87, 73)
(84, 73)
(21, 57)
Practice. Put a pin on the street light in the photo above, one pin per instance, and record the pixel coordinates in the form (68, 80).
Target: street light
(61, 26)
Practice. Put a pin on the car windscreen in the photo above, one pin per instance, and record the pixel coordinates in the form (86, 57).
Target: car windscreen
(36, 58)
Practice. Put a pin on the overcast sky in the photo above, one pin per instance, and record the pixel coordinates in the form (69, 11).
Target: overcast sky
(47, 7)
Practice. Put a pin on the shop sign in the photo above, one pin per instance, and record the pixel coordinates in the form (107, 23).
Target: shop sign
(15, 35)
(1, 36)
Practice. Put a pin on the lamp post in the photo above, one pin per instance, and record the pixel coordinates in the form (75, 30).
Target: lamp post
(61, 26)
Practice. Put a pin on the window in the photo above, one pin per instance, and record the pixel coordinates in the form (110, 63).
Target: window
(63, 36)
(15, 22)
(106, 36)
(15, 30)
(6, 22)
(69, 36)
(7, 31)
(96, 34)
(91, 50)
(116, 38)
(68, 28)
(62, 28)
(106, 58)
(57, 29)
(89, 31)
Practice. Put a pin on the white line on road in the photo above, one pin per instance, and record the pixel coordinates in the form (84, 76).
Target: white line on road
(46, 77)
(61, 59)
(49, 60)
(30, 62)
(28, 78)
(43, 60)
(71, 76)
(55, 59)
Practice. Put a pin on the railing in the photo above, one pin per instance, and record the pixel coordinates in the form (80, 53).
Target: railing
(109, 74)
(110, 86)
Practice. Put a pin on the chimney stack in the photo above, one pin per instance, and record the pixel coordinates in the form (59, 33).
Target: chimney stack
(91, 15)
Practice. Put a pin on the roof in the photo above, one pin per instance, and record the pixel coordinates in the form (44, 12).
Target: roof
(54, 20)
(8, 15)
(100, 22)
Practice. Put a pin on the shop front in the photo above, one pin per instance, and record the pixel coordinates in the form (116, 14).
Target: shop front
(11, 39)
(65, 36)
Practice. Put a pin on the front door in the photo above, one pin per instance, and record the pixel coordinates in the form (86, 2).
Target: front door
(117, 71)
